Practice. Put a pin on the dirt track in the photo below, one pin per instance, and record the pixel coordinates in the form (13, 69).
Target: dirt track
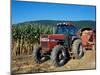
(27, 64)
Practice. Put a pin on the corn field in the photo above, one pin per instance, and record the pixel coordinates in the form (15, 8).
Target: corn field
(25, 36)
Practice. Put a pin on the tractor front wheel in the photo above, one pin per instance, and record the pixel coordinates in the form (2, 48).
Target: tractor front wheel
(37, 55)
(58, 55)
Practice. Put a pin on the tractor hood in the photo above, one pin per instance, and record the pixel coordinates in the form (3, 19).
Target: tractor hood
(51, 37)
(48, 41)
(56, 36)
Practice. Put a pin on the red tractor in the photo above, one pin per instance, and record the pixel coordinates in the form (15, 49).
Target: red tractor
(60, 46)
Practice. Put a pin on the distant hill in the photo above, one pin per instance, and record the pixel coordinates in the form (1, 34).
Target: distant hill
(80, 24)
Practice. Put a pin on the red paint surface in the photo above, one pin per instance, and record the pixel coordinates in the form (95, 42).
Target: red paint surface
(88, 37)
(53, 39)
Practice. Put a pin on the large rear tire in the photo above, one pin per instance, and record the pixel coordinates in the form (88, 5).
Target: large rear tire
(59, 55)
(77, 49)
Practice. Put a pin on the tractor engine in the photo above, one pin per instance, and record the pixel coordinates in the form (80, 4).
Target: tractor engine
(47, 42)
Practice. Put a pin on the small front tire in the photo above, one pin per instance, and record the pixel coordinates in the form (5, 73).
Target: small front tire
(37, 55)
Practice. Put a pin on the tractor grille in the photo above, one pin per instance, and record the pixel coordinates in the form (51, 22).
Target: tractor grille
(44, 44)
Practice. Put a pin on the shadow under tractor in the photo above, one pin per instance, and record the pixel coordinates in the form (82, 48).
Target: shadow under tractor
(63, 44)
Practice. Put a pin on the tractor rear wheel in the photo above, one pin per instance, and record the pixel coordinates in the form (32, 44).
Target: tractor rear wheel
(37, 55)
(77, 49)
(58, 55)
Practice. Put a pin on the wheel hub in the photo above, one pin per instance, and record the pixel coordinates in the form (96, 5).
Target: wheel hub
(61, 57)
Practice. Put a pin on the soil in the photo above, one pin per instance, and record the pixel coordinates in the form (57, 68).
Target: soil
(27, 64)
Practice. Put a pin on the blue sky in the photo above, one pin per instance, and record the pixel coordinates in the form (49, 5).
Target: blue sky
(30, 11)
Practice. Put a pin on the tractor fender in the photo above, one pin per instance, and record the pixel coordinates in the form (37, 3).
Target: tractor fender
(74, 38)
